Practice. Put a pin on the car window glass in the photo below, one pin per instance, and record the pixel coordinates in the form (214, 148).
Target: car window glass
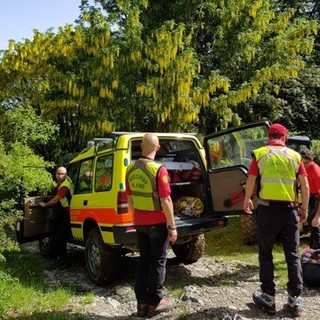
(73, 174)
(103, 174)
(235, 148)
(85, 177)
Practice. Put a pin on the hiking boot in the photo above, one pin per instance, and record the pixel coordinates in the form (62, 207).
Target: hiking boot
(265, 302)
(163, 306)
(142, 310)
(295, 306)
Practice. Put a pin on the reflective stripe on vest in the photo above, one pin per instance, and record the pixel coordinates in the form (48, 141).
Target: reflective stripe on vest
(142, 179)
(278, 170)
(67, 183)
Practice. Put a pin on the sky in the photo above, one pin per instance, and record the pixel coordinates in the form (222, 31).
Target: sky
(18, 18)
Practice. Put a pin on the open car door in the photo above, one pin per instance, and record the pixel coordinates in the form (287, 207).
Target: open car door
(37, 222)
(229, 155)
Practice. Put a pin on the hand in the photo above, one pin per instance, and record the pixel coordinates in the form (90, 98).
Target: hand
(303, 215)
(173, 235)
(248, 206)
(315, 223)
(42, 204)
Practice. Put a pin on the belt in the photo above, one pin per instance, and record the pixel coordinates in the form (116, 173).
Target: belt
(276, 204)
(281, 204)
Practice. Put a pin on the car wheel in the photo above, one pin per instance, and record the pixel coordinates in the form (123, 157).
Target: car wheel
(191, 251)
(47, 247)
(248, 227)
(102, 260)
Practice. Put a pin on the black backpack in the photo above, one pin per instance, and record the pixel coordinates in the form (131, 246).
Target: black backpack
(310, 260)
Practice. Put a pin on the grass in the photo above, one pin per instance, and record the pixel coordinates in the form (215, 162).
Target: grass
(24, 294)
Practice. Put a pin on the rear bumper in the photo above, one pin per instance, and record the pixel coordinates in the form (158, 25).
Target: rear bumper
(186, 227)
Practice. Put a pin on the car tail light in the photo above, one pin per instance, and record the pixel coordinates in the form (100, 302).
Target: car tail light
(123, 206)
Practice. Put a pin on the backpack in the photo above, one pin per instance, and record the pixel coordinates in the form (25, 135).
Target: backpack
(310, 260)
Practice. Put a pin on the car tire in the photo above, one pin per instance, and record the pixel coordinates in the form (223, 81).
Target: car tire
(47, 247)
(248, 227)
(102, 261)
(191, 251)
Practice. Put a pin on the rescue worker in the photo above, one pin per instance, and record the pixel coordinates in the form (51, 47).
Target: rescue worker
(86, 182)
(276, 169)
(61, 203)
(313, 171)
(149, 199)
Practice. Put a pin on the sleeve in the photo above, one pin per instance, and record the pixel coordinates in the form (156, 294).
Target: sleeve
(128, 190)
(163, 183)
(62, 192)
(302, 170)
(253, 168)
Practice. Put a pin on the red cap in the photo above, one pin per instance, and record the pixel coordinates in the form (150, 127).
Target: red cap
(277, 128)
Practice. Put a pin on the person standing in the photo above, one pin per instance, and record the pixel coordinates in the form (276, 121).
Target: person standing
(149, 198)
(313, 171)
(276, 170)
(61, 203)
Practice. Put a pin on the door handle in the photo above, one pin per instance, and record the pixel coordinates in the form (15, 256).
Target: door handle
(85, 202)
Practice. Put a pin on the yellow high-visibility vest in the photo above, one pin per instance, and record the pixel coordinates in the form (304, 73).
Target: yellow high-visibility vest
(278, 167)
(142, 179)
(65, 201)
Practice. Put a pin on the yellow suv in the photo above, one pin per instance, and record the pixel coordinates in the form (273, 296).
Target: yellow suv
(203, 178)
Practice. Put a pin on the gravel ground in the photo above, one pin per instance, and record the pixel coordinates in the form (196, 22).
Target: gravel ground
(211, 289)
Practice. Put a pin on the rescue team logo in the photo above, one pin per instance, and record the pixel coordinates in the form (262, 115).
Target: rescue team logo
(165, 179)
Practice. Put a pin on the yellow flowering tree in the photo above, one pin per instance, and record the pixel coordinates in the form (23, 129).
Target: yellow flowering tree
(153, 65)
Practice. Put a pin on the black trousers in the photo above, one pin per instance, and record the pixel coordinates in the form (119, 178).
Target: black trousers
(279, 224)
(61, 225)
(153, 243)
(315, 231)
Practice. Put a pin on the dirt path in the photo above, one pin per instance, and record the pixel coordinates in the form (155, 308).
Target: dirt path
(211, 289)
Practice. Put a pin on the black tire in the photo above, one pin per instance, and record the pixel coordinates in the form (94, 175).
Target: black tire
(248, 227)
(191, 251)
(102, 261)
(47, 247)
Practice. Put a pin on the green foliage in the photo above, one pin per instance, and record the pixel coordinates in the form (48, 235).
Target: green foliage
(315, 147)
(28, 128)
(7, 220)
(21, 170)
(155, 66)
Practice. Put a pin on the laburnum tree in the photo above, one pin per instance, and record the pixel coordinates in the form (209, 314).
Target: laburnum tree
(56, 74)
(242, 50)
(237, 51)
(154, 65)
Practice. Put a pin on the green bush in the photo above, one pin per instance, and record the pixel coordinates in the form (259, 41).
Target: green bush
(315, 147)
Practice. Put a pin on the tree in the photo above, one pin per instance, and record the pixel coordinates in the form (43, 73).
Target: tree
(242, 48)
(140, 67)
(21, 171)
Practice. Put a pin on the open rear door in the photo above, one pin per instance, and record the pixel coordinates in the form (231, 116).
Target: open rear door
(37, 222)
(229, 155)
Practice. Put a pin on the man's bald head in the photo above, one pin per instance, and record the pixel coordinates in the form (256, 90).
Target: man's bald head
(61, 174)
(61, 170)
(150, 145)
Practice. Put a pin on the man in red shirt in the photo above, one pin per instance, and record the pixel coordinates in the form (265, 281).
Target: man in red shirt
(313, 171)
(148, 191)
(61, 204)
(276, 168)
